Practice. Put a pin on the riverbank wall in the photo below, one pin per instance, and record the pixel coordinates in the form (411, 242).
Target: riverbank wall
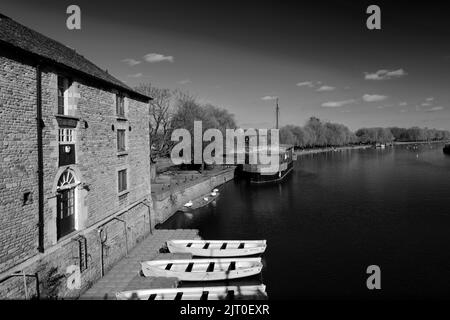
(322, 150)
(167, 202)
(420, 142)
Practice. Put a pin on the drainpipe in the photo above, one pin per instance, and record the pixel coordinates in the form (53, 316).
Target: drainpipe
(126, 234)
(102, 243)
(40, 125)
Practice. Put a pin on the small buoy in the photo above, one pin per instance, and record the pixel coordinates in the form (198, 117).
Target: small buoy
(215, 190)
(213, 194)
(205, 198)
(189, 204)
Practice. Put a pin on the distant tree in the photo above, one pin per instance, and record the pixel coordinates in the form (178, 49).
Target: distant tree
(161, 111)
(188, 110)
(317, 128)
(373, 135)
(317, 133)
(287, 136)
(219, 118)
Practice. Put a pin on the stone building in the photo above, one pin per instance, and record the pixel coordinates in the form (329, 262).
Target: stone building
(74, 167)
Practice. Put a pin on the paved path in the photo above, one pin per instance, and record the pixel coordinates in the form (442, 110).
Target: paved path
(125, 275)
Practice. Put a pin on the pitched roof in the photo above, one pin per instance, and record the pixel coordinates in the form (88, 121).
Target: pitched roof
(18, 36)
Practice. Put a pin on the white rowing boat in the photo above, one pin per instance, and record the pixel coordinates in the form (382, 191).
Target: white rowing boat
(203, 269)
(217, 248)
(196, 293)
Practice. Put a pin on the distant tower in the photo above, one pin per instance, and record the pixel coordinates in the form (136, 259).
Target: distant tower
(277, 112)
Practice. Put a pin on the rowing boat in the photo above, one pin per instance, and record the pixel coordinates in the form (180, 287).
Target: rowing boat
(217, 248)
(196, 293)
(203, 269)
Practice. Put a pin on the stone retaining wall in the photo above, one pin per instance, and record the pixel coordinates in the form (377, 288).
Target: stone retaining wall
(167, 203)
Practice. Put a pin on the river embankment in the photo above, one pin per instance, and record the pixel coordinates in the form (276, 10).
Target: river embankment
(301, 152)
(419, 142)
(171, 190)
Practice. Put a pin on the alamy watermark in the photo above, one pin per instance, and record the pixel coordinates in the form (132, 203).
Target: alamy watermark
(255, 147)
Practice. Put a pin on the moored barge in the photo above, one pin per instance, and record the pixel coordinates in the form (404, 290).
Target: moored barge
(446, 149)
(261, 173)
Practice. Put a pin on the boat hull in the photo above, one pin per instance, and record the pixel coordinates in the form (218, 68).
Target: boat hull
(215, 248)
(447, 149)
(201, 270)
(196, 293)
(257, 178)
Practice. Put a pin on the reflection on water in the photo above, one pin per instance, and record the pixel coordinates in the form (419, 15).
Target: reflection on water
(338, 213)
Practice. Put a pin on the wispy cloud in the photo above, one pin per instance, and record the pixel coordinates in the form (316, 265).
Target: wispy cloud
(403, 103)
(268, 98)
(434, 109)
(157, 57)
(185, 81)
(385, 74)
(325, 88)
(136, 75)
(426, 104)
(337, 104)
(374, 97)
(131, 62)
(305, 84)
(429, 99)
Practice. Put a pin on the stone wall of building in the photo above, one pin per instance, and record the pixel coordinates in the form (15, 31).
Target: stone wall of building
(96, 170)
(18, 162)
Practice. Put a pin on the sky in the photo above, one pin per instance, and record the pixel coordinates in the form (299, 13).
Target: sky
(318, 58)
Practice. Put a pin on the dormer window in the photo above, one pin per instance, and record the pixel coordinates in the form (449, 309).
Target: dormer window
(63, 87)
(120, 105)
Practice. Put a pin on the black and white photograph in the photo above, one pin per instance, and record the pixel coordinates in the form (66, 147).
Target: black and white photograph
(224, 150)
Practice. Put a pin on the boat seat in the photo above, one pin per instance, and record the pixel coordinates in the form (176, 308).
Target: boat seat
(204, 295)
(232, 266)
(189, 244)
(179, 296)
(169, 265)
(230, 295)
(210, 267)
(224, 246)
(206, 246)
(241, 245)
(189, 267)
(152, 296)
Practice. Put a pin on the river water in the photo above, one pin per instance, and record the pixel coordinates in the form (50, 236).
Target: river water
(338, 213)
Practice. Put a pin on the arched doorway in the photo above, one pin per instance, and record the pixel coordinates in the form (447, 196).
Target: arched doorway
(65, 203)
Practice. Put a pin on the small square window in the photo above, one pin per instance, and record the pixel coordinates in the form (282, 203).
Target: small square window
(120, 105)
(66, 135)
(121, 140)
(122, 175)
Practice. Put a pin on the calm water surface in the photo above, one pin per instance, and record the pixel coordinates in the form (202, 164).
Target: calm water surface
(338, 213)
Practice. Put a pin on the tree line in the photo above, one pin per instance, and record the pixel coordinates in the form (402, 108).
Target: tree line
(316, 133)
(172, 109)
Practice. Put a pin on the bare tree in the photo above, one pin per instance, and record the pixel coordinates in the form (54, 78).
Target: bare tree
(161, 112)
